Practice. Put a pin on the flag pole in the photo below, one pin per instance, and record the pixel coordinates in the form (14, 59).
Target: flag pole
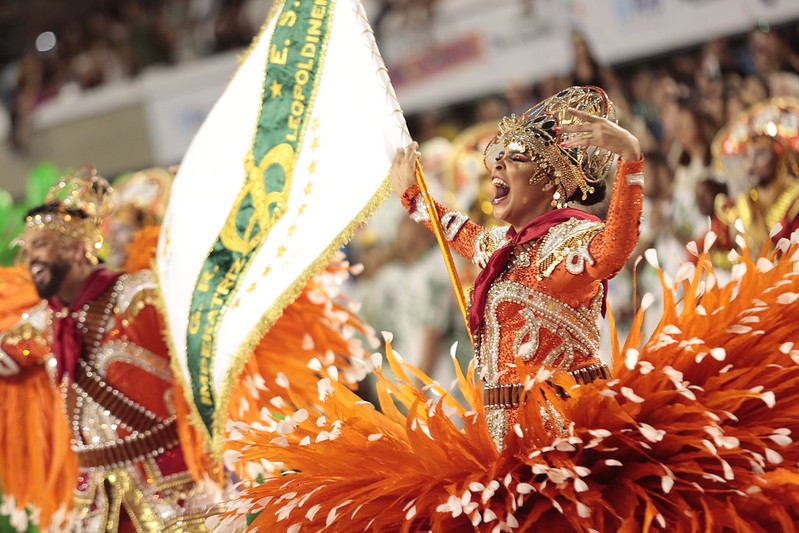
(442, 244)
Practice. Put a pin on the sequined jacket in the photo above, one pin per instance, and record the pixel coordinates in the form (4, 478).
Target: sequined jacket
(546, 306)
(119, 408)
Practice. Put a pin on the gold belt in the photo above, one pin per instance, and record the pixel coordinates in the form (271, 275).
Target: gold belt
(507, 396)
(134, 447)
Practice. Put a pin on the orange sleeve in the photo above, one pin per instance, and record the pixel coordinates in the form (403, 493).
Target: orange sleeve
(612, 246)
(461, 233)
(23, 316)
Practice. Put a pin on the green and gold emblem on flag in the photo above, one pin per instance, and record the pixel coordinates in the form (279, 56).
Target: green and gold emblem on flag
(291, 159)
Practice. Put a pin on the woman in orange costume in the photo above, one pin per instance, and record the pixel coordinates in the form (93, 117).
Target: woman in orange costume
(693, 434)
(540, 293)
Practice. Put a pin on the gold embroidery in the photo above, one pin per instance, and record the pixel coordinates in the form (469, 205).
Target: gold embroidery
(577, 328)
(779, 209)
(487, 242)
(569, 241)
(161, 482)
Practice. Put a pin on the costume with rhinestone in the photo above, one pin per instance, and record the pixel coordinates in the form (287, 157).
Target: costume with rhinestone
(126, 437)
(761, 206)
(545, 304)
(106, 354)
(118, 404)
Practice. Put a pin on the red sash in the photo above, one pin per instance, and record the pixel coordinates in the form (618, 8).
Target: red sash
(67, 338)
(538, 227)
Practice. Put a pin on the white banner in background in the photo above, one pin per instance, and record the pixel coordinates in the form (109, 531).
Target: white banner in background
(470, 48)
(624, 30)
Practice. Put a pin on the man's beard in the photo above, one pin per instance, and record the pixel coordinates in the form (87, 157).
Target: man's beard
(58, 272)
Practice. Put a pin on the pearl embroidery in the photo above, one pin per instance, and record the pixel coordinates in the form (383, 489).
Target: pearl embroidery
(451, 223)
(487, 242)
(577, 328)
(568, 240)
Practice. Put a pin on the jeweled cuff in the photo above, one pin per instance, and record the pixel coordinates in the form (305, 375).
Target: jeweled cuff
(409, 196)
(632, 170)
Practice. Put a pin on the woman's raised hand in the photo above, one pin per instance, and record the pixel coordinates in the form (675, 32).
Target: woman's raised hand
(602, 133)
(403, 168)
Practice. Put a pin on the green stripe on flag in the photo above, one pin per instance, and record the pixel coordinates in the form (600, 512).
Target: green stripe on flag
(293, 66)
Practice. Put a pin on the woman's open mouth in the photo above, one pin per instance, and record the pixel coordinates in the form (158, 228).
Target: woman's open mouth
(501, 190)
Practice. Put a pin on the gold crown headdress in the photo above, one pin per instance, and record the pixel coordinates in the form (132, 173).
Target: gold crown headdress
(74, 208)
(775, 118)
(535, 133)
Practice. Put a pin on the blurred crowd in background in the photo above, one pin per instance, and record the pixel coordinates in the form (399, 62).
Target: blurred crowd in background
(675, 104)
(118, 40)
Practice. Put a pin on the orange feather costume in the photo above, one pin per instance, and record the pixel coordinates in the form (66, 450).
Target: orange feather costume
(694, 433)
(39, 469)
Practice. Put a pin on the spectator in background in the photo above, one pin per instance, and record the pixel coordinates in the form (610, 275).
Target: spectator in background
(149, 43)
(586, 71)
(642, 88)
(231, 30)
(712, 195)
(490, 109)
(423, 315)
(691, 151)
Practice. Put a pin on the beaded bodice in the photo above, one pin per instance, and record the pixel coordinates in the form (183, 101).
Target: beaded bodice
(545, 307)
(119, 407)
(538, 328)
(542, 308)
(107, 348)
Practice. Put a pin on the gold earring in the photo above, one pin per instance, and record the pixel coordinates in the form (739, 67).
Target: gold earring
(557, 200)
(536, 178)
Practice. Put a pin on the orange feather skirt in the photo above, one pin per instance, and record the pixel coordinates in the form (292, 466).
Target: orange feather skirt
(696, 432)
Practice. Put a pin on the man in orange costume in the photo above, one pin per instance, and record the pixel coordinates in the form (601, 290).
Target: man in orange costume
(98, 335)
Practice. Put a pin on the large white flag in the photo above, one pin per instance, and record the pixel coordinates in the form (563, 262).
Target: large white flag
(293, 156)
